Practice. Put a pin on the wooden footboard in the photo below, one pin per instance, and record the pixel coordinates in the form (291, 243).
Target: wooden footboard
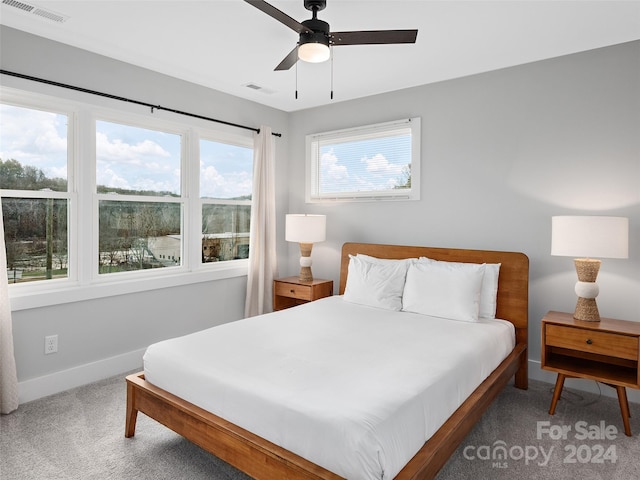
(250, 453)
(436, 452)
(262, 459)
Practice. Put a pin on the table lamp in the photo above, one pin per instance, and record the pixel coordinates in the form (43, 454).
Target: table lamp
(306, 230)
(587, 237)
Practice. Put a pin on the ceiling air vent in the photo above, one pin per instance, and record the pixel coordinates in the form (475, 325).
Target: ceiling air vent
(258, 88)
(20, 5)
(35, 10)
(49, 15)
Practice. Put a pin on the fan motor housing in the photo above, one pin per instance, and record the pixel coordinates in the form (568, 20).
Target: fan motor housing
(317, 37)
(317, 26)
(320, 32)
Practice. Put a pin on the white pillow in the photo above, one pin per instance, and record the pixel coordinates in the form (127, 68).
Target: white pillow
(489, 290)
(369, 258)
(441, 289)
(375, 283)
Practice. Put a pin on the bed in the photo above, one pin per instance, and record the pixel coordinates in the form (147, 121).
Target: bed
(247, 448)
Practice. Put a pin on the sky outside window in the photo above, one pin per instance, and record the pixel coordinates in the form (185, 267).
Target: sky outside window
(226, 171)
(34, 138)
(137, 159)
(364, 165)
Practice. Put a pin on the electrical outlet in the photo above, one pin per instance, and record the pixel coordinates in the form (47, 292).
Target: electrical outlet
(50, 344)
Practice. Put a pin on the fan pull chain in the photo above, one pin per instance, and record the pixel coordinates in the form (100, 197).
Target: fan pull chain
(331, 72)
(296, 80)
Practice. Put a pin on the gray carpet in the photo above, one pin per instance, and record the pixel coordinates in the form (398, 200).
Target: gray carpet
(79, 434)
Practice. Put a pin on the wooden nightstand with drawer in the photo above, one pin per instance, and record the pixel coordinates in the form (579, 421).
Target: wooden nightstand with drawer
(606, 351)
(290, 291)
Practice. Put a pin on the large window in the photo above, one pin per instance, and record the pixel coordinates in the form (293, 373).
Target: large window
(138, 183)
(374, 162)
(36, 198)
(93, 196)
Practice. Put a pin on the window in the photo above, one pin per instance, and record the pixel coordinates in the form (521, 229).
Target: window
(36, 198)
(375, 162)
(226, 185)
(138, 184)
(132, 197)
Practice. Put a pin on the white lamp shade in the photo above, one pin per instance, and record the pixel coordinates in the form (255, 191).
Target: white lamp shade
(590, 236)
(305, 228)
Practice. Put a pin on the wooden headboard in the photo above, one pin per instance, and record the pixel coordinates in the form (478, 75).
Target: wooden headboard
(513, 282)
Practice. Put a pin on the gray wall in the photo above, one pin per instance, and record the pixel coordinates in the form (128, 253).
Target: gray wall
(502, 152)
(106, 336)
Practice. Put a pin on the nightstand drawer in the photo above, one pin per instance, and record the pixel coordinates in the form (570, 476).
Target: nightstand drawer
(602, 343)
(301, 292)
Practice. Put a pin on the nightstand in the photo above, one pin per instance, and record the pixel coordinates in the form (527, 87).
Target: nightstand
(290, 291)
(605, 351)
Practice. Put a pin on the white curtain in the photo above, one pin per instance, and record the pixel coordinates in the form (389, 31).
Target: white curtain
(262, 243)
(8, 377)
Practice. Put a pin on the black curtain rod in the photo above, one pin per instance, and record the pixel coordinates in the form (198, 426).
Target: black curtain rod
(124, 99)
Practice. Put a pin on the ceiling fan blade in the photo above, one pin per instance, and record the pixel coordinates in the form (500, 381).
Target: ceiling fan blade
(289, 61)
(279, 15)
(374, 37)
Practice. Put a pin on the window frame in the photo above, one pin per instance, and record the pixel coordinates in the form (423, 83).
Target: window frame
(237, 141)
(83, 281)
(149, 124)
(361, 133)
(50, 105)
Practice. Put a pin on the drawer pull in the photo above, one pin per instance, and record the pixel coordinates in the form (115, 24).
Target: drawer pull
(589, 341)
(292, 291)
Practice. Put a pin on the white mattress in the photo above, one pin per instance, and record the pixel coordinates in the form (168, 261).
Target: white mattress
(355, 389)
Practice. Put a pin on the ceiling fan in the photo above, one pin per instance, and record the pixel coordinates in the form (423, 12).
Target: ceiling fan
(316, 37)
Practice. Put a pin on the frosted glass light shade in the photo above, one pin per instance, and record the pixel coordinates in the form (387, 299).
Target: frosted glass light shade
(305, 228)
(314, 52)
(590, 236)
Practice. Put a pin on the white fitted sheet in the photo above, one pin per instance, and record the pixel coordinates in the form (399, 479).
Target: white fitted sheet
(355, 389)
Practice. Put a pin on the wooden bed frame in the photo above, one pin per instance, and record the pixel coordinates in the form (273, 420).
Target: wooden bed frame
(262, 459)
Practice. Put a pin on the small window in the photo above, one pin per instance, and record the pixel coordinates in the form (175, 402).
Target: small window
(374, 162)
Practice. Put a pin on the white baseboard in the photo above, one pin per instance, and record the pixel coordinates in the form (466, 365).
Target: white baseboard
(95, 371)
(536, 373)
(57, 382)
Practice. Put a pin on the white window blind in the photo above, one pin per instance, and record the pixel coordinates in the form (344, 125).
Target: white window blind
(373, 162)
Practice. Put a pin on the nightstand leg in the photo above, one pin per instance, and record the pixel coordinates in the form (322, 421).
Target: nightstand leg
(624, 408)
(556, 393)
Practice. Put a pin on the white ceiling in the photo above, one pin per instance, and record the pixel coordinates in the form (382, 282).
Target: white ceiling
(227, 44)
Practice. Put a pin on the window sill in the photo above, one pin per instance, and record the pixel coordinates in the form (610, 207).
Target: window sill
(27, 298)
(364, 198)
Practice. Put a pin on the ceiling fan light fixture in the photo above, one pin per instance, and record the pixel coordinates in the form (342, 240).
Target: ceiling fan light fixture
(317, 38)
(314, 48)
